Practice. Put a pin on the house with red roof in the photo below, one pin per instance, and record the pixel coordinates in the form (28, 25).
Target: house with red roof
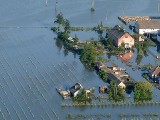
(120, 36)
(155, 73)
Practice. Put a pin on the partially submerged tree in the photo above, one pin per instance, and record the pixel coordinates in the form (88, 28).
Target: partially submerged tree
(59, 19)
(84, 96)
(116, 93)
(142, 91)
(63, 24)
(92, 52)
(103, 75)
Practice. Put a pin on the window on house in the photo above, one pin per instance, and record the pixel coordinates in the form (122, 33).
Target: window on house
(126, 36)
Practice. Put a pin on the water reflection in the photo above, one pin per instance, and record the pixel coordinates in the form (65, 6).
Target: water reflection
(59, 43)
(126, 57)
(158, 49)
(139, 59)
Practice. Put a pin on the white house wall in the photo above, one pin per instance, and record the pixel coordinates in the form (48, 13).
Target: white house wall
(154, 31)
(158, 36)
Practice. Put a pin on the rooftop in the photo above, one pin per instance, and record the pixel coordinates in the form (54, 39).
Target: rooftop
(149, 24)
(156, 71)
(116, 32)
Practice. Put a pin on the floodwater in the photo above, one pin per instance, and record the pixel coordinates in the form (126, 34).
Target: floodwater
(32, 66)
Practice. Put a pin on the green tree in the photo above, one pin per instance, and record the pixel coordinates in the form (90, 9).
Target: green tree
(59, 19)
(63, 36)
(138, 59)
(103, 74)
(83, 96)
(67, 26)
(136, 37)
(142, 91)
(116, 93)
(76, 39)
(92, 52)
(64, 24)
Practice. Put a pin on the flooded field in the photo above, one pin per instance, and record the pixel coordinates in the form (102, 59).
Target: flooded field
(32, 66)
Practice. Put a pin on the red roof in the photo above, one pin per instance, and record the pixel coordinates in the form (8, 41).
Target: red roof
(156, 71)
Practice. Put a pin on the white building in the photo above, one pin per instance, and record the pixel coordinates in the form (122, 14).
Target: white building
(148, 26)
(158, 36)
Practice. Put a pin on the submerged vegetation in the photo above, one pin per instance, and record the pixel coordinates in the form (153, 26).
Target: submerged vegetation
(142, 91)
(109, 45)
(116, 93)
(142, 47)
(93, 51)
(84, 96)
(103, 75)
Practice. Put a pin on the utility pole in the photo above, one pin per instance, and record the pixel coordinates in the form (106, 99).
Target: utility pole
(92, 6)
(158, 7)
(46, 3)
(56, 7)
(56, 4)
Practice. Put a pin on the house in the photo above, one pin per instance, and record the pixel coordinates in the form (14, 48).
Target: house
(74, 90)
(124, 74)
(98, 65)
(70, 39)
(122, 85)
(155, 73)
(120, 37)
(141, 39)
(117, 80)
(147, 26)
(114, 68)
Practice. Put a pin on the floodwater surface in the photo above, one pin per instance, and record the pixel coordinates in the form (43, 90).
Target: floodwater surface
(32, 66)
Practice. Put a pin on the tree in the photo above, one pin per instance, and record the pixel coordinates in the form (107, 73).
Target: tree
(142, 91)
(60, 20)
(84, 96)
(76, 39)
(116, 93)
(64, 24)
(91, 52)
(103, 74)
(138, 59)
(67, 25)
(63, 36)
